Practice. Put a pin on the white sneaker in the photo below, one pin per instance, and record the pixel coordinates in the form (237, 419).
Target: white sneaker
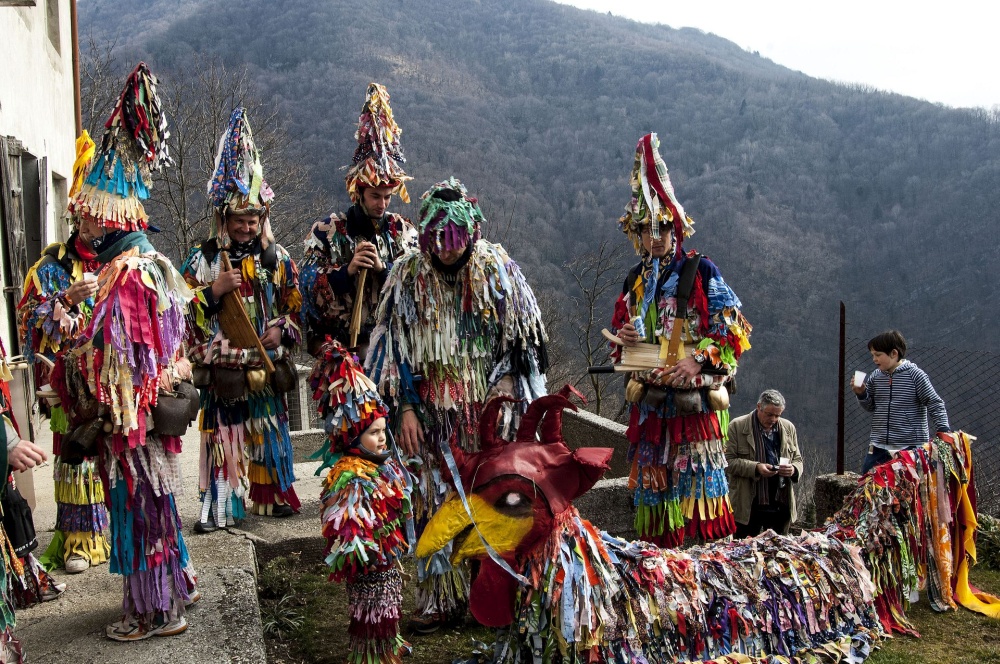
(76, 564)
(133, 630)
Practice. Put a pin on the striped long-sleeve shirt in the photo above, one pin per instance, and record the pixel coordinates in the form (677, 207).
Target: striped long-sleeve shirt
(900, 402)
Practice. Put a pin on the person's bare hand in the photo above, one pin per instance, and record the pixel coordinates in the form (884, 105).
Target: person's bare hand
(365, 257)
(629, 335)
(680, 374)
(81, 290)
(764, 470)
(228, 281)
(26, 455)
(411, 434)
(786, 470)
(271, 339)
(857, 389)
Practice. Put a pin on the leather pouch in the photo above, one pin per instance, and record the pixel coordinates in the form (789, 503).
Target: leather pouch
(655, 396)
(285, 377)
(201, 375)
(229, 384)
(171, 414)
(687, 402)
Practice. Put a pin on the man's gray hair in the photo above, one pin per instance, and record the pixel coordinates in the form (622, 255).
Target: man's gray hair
(771, 398)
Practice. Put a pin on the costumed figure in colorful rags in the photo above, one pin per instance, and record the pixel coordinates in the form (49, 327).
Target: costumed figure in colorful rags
(583, 595)
(64, 280)
(457, 324)
(348, 255)
(365, 504)
(244, 411)
(20, 585)
(129, 352)
(691, 326)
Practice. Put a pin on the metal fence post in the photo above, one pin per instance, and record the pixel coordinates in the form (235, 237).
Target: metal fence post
(840, 389)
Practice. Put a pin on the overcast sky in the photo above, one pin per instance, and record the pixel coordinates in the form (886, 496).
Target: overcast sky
(944, 52)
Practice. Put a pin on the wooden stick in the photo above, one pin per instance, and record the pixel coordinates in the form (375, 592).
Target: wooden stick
(355, 327)
(235, 322)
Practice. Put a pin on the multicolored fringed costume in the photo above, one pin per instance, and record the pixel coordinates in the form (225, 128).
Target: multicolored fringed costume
(464, 328)
(329, 289)
(914, 518)
(46, 330)
(13, 575)
(247, 416)
(365, 503)
(113, 372)
(585, 596)
(676, 436)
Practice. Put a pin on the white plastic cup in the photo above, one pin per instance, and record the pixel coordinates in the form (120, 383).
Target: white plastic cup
(859, 378)
(89, 276)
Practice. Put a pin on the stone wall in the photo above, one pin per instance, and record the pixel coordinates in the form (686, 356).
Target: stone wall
(609, 504)
(829, 493)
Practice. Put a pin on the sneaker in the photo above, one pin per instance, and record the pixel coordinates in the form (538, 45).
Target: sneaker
(171, 628)
(127, 629)
(203, 527)
(193, 599)
(427, 624)
(76, 564)
(281, 511)
(131, 629)
(53, 591)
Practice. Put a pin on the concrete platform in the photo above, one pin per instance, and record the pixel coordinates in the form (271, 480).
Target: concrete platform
(224, 625)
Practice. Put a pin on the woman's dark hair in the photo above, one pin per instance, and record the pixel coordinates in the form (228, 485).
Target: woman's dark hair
(888, 342)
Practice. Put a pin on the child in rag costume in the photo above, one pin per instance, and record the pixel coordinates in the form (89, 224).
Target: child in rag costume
(365, 504)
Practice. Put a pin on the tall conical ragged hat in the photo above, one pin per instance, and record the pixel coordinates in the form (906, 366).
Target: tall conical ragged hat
(347, 400)
(378, 159)
(238, 184)
(134, 146)
(653, 200)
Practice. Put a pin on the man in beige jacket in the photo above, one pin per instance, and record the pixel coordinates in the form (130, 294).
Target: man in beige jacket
(764, 462)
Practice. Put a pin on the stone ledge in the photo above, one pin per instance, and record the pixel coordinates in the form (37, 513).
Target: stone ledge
(830, 491)
(580, 429)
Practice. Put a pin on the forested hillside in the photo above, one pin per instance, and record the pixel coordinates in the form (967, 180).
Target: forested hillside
(805, 192)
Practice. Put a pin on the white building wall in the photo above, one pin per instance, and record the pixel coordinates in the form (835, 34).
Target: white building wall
(37, 101)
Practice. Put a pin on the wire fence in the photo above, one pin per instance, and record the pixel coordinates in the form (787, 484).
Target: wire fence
(967, 381)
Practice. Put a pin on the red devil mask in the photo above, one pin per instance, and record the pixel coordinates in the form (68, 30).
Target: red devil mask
(561, 474)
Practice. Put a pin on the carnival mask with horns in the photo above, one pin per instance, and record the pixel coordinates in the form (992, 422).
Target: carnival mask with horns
(516, 490)
(653, 201)
(562, 475)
